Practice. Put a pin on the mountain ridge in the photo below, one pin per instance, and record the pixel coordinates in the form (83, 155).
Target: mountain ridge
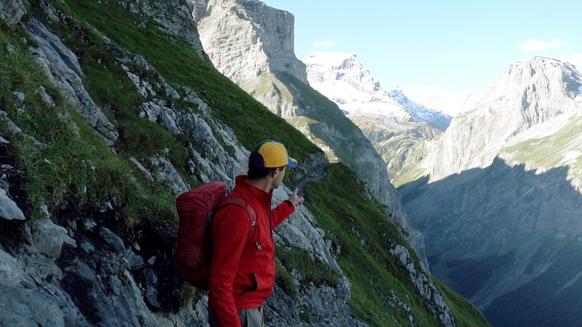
(497, 196)
(343, 78)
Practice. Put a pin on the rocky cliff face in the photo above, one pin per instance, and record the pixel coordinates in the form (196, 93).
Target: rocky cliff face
(249, 35)
(79, 272)
(528, 93)
(502, 217)
(252, 44)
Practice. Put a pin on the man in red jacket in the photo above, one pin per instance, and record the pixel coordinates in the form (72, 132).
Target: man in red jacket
(243, 270)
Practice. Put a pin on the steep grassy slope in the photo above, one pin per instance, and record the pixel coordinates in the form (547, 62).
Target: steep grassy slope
(361, 237)
(77, 169)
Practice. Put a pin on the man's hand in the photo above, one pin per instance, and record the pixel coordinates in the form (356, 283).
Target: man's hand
(295, 199)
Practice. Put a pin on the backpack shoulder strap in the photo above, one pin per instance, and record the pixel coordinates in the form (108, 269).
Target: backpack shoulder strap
(240, 202)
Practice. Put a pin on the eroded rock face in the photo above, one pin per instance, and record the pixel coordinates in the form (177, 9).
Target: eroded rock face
(11, 11)
(425, 285)
(62, 67)
(503, 195)
(258, 39)
(529, 92)
(101, 278)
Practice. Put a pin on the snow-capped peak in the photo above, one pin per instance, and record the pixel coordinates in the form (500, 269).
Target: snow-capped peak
(343, 79)
(419, 112)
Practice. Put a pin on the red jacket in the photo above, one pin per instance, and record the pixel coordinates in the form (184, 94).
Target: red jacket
(243, 274)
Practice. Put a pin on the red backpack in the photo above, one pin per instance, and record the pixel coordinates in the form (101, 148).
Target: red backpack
(196, 209)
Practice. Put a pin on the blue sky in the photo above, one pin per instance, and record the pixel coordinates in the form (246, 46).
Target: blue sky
(451, 46)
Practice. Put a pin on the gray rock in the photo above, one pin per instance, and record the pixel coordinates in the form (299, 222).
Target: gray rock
(23, 307)
(10, 270)
(112, 239)
(48, 238)
(45, 97)
(115, 284)
(87, 247)
(70, 242)
(263, 34)
(20, 98)
(9, 210)
(11, 48)
(12, 11)
(135, 261)
(167, 174)
(62, 67)
(72, 224)
(424, 284)
(152, 297)
(142, 168)
(152, 260)
(89, 224)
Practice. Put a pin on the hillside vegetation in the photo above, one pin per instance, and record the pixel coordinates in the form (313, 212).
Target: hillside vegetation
(65, 170)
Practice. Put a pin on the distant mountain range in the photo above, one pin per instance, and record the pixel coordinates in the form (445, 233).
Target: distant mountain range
(498, 197)
(343, 79)
(497, 193)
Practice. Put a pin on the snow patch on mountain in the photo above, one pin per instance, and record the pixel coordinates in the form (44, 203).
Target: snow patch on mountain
(342, 78)
(420, 113)
(453, 104)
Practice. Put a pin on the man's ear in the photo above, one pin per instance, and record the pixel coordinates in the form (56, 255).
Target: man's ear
(274, 173)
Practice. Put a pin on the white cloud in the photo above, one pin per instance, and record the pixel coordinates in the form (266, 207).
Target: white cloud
(535, 45)
(323, 44)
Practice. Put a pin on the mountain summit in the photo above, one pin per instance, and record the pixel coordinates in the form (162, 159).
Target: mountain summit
(342, 78)
(498, 197)
(529, 93)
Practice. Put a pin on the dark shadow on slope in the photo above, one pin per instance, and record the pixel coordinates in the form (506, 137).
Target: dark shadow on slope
(490, 234)
(547, 299)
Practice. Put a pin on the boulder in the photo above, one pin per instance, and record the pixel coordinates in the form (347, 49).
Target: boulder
(11, 11)
(9, 210)
(48, 238)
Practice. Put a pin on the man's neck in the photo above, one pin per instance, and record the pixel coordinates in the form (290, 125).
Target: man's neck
(262, 184)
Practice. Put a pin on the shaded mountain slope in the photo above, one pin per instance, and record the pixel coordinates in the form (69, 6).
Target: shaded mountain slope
(499, 201)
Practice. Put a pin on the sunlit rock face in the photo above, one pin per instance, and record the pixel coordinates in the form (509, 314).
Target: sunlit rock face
(499, 199)
(529, 93)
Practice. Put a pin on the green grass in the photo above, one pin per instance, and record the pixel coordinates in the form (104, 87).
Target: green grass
(313, 271)
(351, 218)
(83, 170)
(550, 151)
(466, 315)
(71, 167)
(362, 235)
(178, 63)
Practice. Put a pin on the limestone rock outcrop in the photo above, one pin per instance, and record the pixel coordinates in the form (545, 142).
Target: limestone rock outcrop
(529, 92)
(500, 195)
(84, 273)
(250, 35)
(12, 11)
